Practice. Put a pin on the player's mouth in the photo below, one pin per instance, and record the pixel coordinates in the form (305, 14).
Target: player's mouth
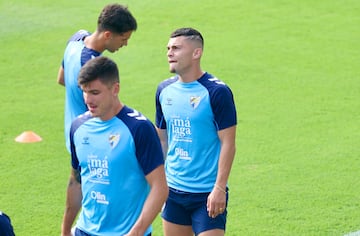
(92, 108)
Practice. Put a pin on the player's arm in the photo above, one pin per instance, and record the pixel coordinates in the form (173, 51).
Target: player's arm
(60, 77)
(154, 202)
(217, 198)
(227, 154)
(73, 202)
(163, 140)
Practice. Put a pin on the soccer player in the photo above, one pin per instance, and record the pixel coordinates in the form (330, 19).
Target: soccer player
(114, 28)
(6, 228)
(196, 122)
(117, 177)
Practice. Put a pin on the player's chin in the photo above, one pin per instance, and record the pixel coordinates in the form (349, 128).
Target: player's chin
(117, 49)
(172, 69)
(112, 50)
(93, 113)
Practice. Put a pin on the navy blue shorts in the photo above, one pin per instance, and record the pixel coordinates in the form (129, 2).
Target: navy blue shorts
(185, 208)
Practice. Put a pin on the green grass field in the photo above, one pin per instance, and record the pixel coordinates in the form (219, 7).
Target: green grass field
(293, 67)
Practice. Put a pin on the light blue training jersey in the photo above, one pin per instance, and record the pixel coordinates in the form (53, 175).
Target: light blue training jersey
(113, 157)
(75, 56)
(193, 113)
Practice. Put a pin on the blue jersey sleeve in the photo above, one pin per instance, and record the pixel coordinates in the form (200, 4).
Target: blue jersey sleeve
(222, 101)
(159, 116)
(80, 35)
(148, 147)
(74, 126)
(147, 143)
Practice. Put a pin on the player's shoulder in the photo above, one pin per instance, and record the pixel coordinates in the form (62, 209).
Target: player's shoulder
(213, 83)
(210, 80)
(165, 83)
(132, 114)
(81, 119)
(135, 120)
(79, 35)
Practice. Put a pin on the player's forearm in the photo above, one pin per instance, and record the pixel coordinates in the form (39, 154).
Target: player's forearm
(152, 206)
(68, 219)
(163, 140)
(73, 205)
(164, 146)
(224, 168)
(146, 218)
(60, 76)
(227, 155)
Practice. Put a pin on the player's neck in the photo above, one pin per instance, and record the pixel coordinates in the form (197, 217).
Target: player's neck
(191, 76)
(114, 110)
(94, 42)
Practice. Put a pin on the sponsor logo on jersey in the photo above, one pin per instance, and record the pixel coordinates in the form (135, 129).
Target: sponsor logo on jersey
(99, 169)
(181, 129)
(183, 154)
(99, 197)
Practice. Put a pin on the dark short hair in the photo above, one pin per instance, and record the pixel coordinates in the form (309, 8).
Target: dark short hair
(116, 18)
(101, 68)
(189, 33)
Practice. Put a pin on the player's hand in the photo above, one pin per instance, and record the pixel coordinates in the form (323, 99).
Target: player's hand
(216, 203)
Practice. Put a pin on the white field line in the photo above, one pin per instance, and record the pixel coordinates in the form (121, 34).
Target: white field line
(357, 233)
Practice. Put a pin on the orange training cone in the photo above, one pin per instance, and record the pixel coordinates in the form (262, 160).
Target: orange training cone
(28, 137)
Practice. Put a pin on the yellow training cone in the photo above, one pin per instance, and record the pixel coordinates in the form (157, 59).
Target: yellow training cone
(28, 137)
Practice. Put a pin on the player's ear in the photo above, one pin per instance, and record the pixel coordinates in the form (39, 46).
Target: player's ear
(116, 89)
(107, 34)
(197, 53)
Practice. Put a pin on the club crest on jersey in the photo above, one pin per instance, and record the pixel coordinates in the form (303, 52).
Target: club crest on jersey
(194, 101)
(114, 140)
